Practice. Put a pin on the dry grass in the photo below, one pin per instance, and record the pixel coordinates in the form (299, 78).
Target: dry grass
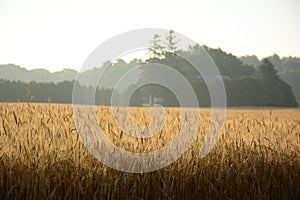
(42, 157)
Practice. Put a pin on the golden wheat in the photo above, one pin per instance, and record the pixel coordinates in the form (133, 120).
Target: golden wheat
(42, 156)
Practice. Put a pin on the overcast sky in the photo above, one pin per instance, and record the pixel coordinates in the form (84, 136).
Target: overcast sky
(57, 34)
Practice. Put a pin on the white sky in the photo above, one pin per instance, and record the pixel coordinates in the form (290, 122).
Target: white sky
(57, 34)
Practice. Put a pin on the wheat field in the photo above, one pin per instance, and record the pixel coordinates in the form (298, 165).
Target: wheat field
(257, 156)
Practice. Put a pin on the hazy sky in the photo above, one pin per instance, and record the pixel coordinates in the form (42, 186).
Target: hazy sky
(57, 34)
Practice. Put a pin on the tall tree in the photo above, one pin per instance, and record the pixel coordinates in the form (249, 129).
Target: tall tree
(155, 53)
(276, 91)
(171, 42)
(155, 49)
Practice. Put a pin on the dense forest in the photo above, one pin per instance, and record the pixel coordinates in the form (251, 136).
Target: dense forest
(288, 69)
(248, 81)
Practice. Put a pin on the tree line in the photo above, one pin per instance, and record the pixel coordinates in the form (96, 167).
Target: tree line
(288, 69)
(17, 91)
(245, 84)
